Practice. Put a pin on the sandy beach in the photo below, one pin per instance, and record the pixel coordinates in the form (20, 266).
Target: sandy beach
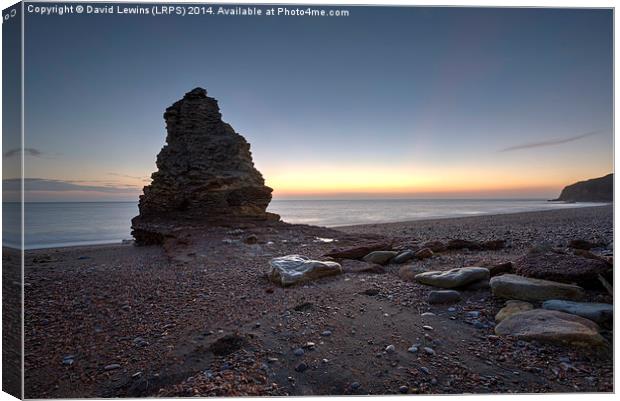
(121, 320)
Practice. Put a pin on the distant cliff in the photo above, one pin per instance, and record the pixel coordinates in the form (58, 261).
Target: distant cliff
(595, 190)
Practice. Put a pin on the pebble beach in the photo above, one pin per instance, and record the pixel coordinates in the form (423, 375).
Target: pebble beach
(204, 319)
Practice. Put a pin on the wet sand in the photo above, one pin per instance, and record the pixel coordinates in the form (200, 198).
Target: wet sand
(204, 320)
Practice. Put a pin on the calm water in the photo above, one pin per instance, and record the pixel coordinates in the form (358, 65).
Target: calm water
(65, 224)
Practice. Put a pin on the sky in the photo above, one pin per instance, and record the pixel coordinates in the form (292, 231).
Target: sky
(388, 102)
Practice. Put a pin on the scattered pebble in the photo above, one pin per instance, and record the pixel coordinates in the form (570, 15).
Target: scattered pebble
(302, 367)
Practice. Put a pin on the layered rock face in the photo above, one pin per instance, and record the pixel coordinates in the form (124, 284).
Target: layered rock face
(205, 172)
(595, 190)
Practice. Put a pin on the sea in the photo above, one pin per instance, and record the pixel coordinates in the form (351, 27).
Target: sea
(58, 224)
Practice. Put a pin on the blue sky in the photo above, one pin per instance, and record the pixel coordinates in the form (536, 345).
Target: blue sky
(386, 102)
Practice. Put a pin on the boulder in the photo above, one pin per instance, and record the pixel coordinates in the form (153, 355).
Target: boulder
(404, 256)
(511, 286)
(453, 278)
(358, 252)
(512, 307)
(380, 257)
(293, 269)
(424, 253)
(205, 173)
(444, 297)
(357, 266)
(565, 268)
(436, 246)
(551, 326)
(600, 313)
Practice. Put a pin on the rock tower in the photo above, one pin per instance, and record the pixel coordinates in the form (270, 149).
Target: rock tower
(205, 173)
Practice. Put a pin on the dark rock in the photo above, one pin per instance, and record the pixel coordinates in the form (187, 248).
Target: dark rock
(205, 173)
(444, 297)
(303, 307)
(251, 239)
(478, 285)
(380, 257)
(359, 251)
(597, 312)
(560, 267)
(457, 244)
(594, 190)
(227, 345)
(357, 266)
(436, 246)
(302, 367)
(583, 244)
(501, 268)
(424, 253)
(587, 254)
(494, 245)
(404, 256)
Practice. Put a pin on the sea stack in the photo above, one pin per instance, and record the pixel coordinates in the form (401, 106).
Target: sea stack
(205, 174)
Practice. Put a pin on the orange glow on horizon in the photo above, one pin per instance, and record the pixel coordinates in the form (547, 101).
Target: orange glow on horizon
(398, 181)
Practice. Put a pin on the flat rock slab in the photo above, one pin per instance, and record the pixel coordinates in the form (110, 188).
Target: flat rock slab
(357, 266)
(358, 252)
(403, 257)
(453, 278)
(565, 268)
(444, 297)
(380, 257)
(597, 312)
(512, 307)
(511, 286)
(551, 326)
(293, 269)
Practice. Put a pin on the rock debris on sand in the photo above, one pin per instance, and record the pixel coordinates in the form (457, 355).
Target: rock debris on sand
(199, 314)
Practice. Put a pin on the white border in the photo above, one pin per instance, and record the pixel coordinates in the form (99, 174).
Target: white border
(480, 3)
